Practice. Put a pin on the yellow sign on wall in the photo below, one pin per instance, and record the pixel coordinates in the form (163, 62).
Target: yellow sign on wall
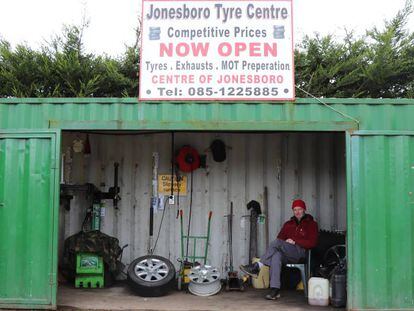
(164, 185)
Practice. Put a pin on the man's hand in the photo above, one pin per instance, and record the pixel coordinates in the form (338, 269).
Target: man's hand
(290, 241)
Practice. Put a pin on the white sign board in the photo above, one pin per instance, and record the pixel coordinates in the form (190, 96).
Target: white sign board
(217, 50)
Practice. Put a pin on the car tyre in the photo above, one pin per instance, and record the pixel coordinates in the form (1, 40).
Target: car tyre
(151, 276)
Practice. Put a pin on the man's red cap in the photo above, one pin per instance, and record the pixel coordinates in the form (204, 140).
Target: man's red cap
(299, 203)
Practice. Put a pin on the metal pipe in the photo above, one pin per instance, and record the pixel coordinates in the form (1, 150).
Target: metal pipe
(208, 235)
(172, 163)
(230, 220)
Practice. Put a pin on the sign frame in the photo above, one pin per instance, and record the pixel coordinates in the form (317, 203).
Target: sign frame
(175, 93)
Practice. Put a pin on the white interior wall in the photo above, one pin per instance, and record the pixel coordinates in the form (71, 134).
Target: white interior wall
(310, 166)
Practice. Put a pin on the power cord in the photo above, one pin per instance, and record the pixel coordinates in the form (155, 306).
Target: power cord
(159, 228)
(328, 106)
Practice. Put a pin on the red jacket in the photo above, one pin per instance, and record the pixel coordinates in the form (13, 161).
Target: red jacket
(303, 232)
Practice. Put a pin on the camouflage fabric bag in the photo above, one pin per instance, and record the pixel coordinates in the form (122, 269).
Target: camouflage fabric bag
(91, 242)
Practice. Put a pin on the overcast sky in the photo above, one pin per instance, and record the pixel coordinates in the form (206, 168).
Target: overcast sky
(112, 22)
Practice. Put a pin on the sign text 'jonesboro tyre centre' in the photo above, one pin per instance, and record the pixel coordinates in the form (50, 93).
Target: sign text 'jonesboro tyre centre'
(217, 50)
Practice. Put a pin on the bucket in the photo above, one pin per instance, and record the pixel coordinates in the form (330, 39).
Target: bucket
(262, 281)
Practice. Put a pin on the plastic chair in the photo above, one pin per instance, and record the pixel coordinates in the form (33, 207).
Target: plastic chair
(304, 267)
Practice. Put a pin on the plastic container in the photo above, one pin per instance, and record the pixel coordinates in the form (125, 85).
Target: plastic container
(262, 281)
(89, 263)
(318, 292)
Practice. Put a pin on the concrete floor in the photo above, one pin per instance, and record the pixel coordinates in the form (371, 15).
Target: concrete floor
(120, 297)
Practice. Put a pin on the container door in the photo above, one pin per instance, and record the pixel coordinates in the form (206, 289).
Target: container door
(28, 218)
(381, 221)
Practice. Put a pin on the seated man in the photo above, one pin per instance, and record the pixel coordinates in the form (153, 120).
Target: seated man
(297, 235)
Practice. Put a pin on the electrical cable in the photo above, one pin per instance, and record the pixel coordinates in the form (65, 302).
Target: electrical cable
(172, 163)
(178, 192)
(172, 192)
(189, 215)
(118, 133)
(330, 107)
(159, 229)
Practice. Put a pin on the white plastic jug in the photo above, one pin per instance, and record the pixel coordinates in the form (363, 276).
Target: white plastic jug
(318, 292)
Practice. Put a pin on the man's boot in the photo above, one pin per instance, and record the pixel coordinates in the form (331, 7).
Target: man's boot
(252, 269)
(274, 294)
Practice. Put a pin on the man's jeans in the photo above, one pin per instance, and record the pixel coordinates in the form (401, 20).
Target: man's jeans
(281, 252)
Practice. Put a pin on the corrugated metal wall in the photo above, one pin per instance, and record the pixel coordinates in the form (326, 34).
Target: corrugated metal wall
(381, 237)
(27, 244)
(290, 165)
(304, 114)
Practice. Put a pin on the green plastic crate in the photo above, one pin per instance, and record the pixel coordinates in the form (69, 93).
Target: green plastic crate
(89, 263)
(89, 281)
(89, 271)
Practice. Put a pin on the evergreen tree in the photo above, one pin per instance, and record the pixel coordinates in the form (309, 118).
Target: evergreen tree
(378, 64)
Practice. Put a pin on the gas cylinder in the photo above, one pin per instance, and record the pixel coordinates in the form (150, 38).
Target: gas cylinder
(338, 284)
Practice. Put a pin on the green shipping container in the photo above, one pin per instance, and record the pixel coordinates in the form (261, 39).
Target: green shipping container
(28, 218)
(381, 220)
(380, 181)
